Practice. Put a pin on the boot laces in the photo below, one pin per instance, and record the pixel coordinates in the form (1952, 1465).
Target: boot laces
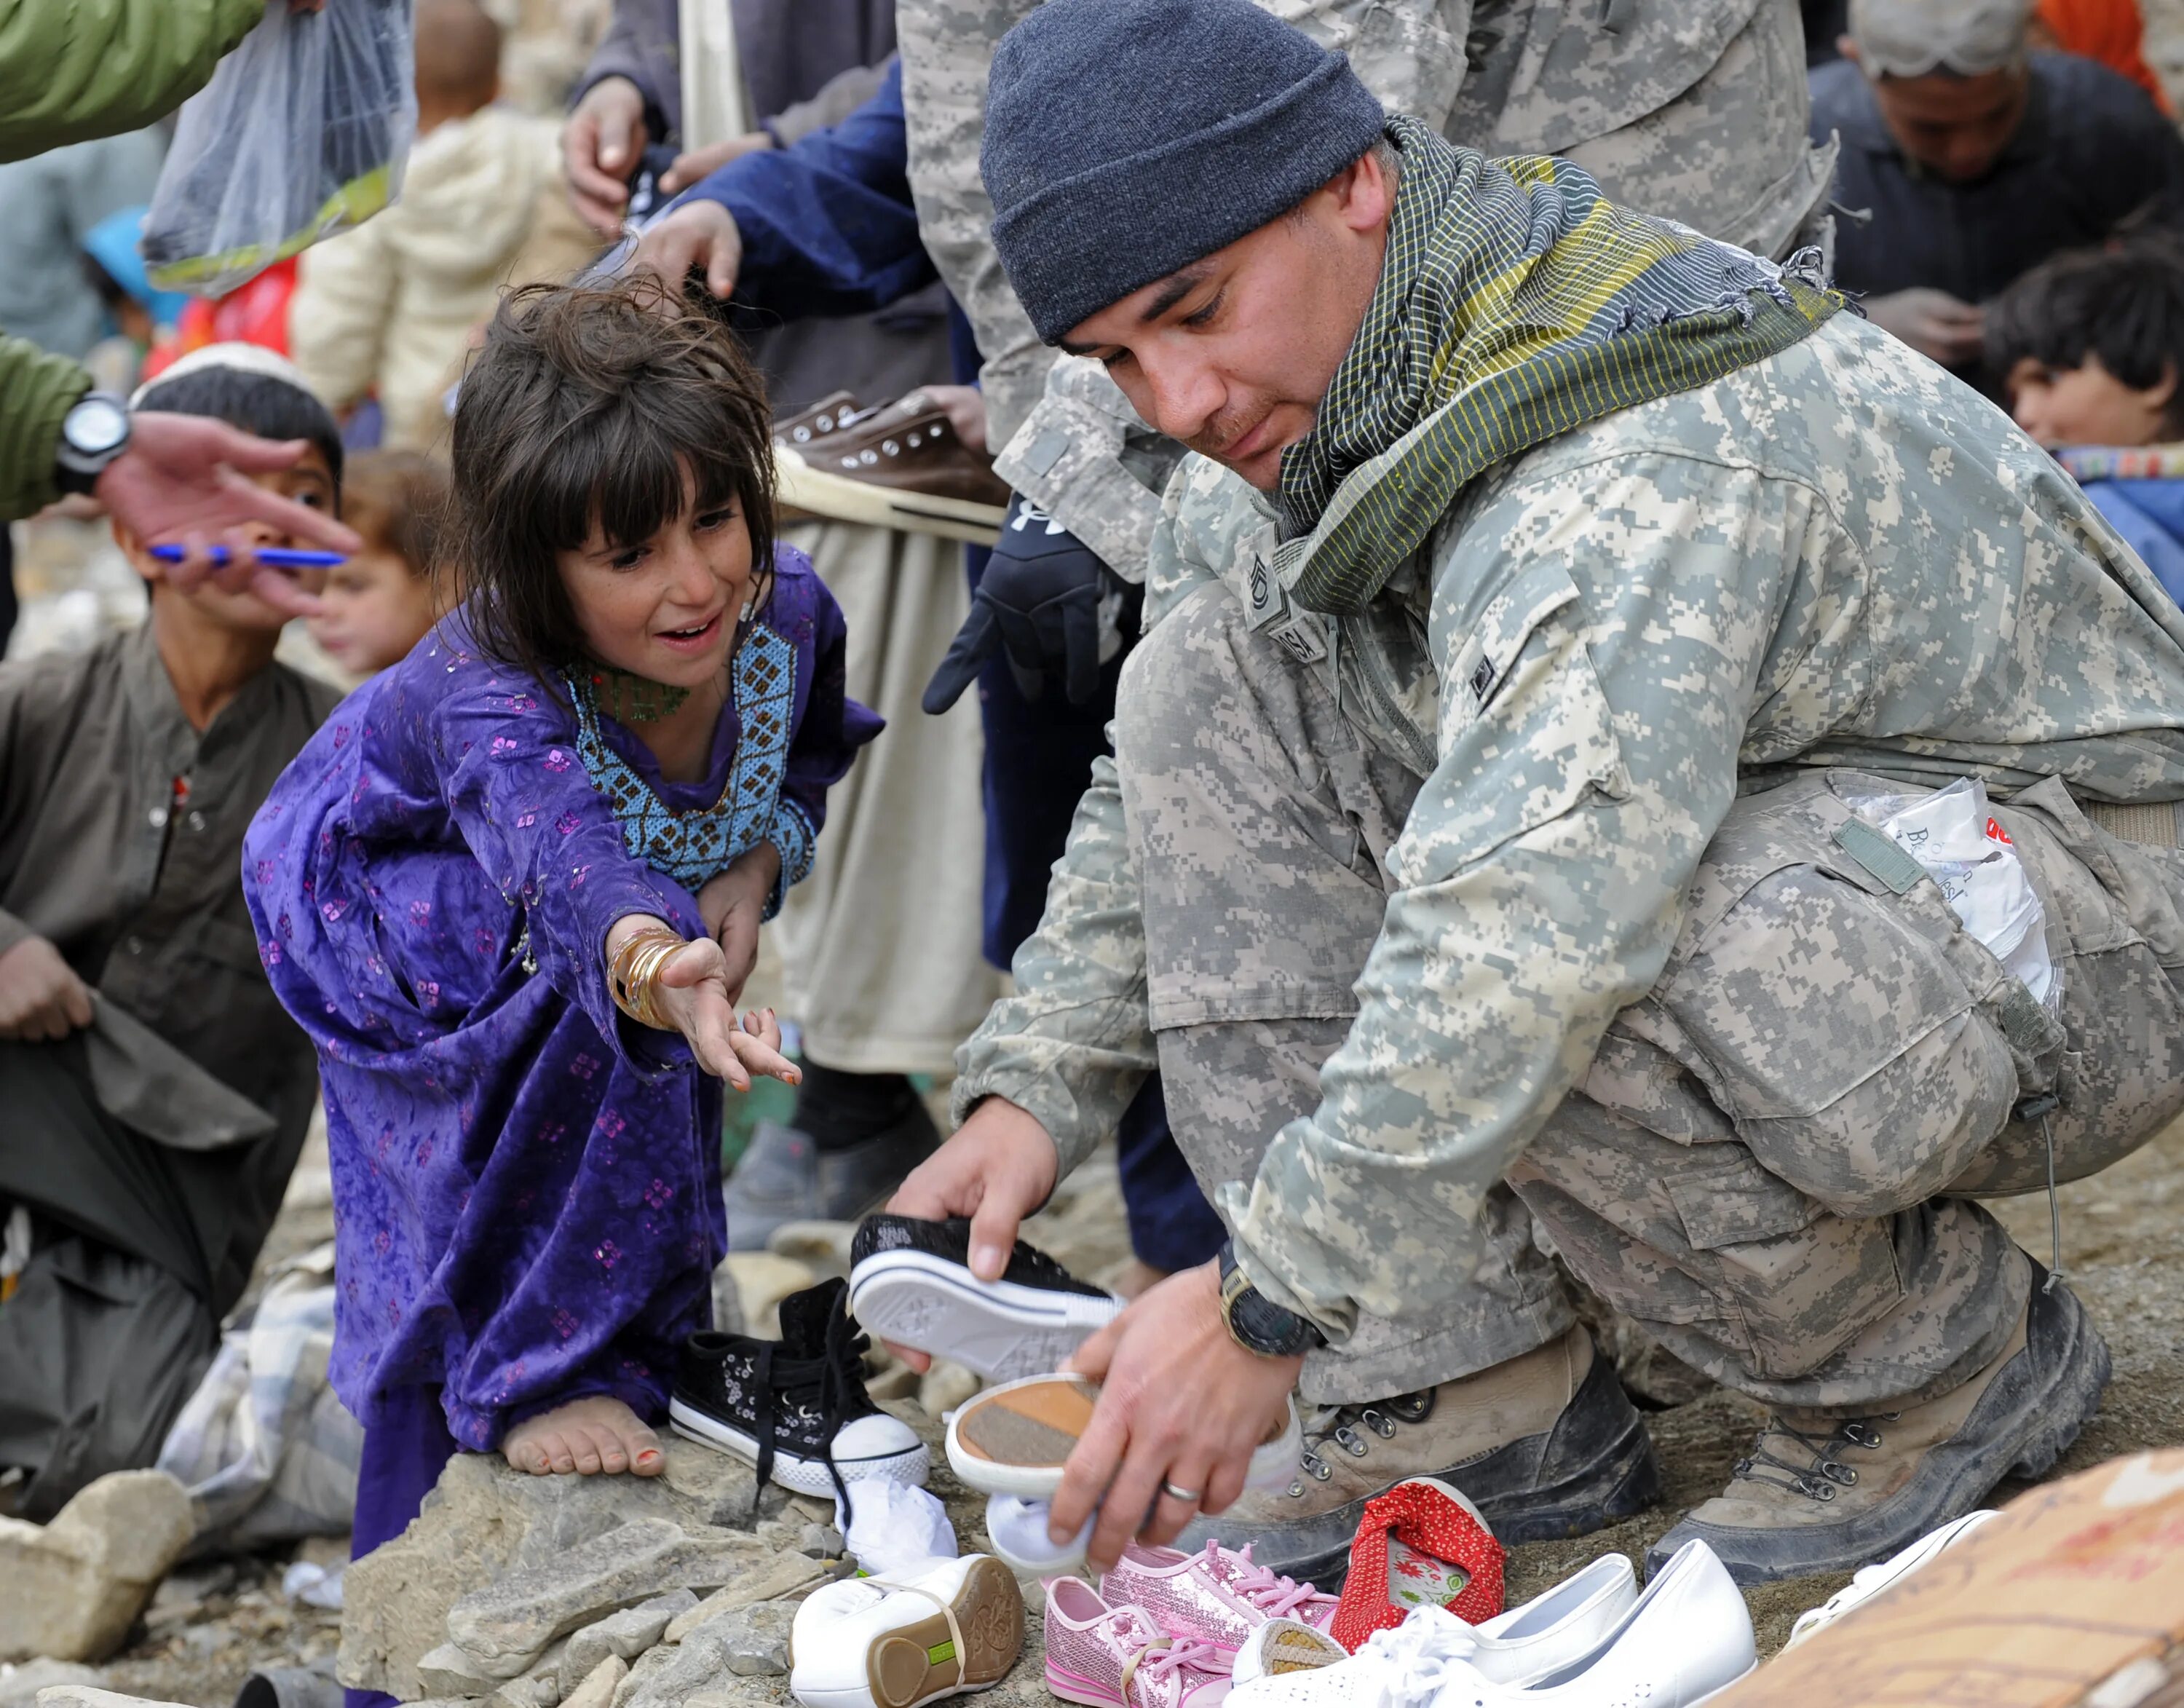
(1343, 1424)
(829, 1387)
(1823, 1473)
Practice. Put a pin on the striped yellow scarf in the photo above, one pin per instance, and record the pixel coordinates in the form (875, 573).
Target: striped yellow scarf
(1515, 303)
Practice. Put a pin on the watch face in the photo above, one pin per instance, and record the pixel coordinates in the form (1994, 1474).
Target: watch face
(94, 426)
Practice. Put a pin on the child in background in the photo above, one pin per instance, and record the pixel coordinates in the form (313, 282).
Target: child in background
(513, 889)
(390, 307)
(385, 599)
(128, 774)
(2091, 347)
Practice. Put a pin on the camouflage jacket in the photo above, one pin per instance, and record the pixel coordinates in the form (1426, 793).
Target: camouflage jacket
(1692, 108)
(1838, 556)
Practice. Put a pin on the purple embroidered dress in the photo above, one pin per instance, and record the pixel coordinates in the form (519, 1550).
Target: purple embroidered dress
(526, 1184)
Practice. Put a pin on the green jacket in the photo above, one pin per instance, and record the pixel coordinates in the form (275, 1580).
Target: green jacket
(70, 69)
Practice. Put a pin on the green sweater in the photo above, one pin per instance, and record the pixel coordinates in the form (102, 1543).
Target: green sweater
(71, 70)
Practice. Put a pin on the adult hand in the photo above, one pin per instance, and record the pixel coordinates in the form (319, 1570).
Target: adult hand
(702, 163)
(185, 479)
(41, 997)
(965, 406)
(697, 234)
(1039, 602)
(600, 146)
(1180, 1403)
(733, 907)
(999, 1166)
(1932, 323)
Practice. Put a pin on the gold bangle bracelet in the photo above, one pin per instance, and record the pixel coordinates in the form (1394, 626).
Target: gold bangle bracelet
(632, 975)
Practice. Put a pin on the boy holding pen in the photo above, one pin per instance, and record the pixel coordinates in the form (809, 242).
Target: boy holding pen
(156, 1095)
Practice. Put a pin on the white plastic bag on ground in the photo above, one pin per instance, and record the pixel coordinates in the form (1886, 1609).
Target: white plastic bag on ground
(896, 1528)
(1963, 848)
(303, 132)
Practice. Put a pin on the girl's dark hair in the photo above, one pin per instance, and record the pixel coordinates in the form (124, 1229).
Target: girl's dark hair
(594, 404)
(2124, 305)
(252, 403)
(398, 501)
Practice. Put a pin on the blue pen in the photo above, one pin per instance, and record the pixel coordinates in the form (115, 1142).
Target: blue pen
(273, 556)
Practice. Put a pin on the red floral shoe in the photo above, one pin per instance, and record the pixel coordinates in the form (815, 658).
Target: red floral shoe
(1419, 1544)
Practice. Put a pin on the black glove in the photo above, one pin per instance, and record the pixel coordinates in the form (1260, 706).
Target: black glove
(1040, 603)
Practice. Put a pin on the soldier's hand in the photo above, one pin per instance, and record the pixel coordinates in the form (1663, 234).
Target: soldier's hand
(999, 1166)
(1048, 603)
(1182, 1405)
(1932, 323)
(600, 147)
(698, 234)
(41, 997)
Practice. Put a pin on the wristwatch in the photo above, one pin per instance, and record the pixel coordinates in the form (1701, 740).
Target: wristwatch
(1256, 1322)
(93, 432)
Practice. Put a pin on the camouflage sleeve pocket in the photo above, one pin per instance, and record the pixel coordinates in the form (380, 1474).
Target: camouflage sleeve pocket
(1525, 730)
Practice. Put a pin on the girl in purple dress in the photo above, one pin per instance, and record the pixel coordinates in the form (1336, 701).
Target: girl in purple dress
(513, 887)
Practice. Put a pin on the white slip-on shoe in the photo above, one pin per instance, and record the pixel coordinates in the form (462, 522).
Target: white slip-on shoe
(1549, 1632)
(1871, 1579)
(1686, 1638)
(910, 1282)
(895, 1642)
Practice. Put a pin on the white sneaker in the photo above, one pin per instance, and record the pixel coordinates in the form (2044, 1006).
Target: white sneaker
(1871, 1579)
(889, 1643)
(1526, 1643)
(1586, 1643)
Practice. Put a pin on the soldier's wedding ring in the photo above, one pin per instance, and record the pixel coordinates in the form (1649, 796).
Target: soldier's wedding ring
(1188, 1497)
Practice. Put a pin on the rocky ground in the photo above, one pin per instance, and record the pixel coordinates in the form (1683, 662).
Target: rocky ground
(210, 1624)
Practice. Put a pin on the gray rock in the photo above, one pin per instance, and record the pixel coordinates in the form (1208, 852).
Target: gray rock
(777, 1576)
(643, 1671)
(624, 1635)
(20, 1685)
(744, 1643)
(486, 1521)
(83, 1696)
(447, 1670)
(596, 1688)
(75, 1587)
(820, 1541)
(504, 1627)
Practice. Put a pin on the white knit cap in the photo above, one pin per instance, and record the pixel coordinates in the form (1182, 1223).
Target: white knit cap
(249, 359)
(1914, 38)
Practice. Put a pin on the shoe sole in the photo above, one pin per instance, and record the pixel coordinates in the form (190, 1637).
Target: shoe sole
(2053, 1417)
(916, 1664)
(1002, 1330)
(793, 1470)
(838, 498)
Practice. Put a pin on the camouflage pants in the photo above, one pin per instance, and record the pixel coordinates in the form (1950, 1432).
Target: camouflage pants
(1770, 1164)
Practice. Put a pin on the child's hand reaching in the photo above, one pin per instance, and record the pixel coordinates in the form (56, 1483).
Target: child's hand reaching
(691, 993)
(733, 905)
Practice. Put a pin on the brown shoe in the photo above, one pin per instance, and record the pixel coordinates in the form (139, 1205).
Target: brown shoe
(1545, 1445)
(900, 466)
(1826, 1491)
(832, 413)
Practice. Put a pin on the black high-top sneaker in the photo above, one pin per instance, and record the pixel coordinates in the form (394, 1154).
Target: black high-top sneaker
(910, 1282)
(796, 1408)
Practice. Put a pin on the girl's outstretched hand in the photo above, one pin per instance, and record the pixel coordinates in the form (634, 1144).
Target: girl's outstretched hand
(695, 994)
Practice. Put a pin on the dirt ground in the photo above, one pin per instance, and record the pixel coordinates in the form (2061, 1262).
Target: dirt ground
(2123, 1246)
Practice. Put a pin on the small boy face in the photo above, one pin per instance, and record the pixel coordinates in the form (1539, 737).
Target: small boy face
(373, 610)
(2086, 404)
(309, 483)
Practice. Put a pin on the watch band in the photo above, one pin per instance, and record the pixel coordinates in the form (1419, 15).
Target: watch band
(1256, 1322)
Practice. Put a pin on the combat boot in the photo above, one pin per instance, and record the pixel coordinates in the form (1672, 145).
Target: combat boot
(1545, 1445)
(1826, 1491)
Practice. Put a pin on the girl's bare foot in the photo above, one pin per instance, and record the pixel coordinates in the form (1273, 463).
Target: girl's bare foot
(587, 1435)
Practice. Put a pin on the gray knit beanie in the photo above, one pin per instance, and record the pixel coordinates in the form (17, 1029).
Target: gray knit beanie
(1128, 138)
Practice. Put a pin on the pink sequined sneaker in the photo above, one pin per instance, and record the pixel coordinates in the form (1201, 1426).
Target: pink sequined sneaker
(1116, 1657)
(1215, 1596)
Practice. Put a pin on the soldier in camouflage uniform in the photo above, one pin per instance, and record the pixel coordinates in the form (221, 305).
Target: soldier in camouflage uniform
(1491, 831)
(1693, 110)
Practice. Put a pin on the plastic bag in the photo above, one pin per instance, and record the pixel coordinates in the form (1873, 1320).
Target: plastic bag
(303, 131)
(1953, 834)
